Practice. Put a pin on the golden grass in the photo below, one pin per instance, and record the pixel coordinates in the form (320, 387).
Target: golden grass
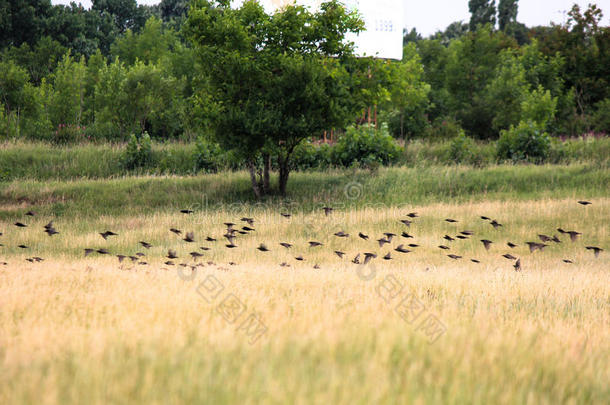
(76, 330)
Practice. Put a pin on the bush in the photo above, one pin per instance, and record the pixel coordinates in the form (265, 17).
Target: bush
(461, 149)
(415, 123)
(208, 156)
(601, 117)
(539, 107)
(308, 156)
(365, 146)
(69, 134)
(138, 153)
(525, 142)
(444, 128)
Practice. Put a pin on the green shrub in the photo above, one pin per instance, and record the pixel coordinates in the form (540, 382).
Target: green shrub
(308, 156)
(525, 142)
(138, 153)
(601, 117)
(444, 128)
(69, 134)
(103, 131)
(365, 145)
(539, 107)
(208, 156)
(461, 149)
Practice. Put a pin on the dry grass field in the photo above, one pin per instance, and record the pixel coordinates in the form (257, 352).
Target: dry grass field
(421, 328)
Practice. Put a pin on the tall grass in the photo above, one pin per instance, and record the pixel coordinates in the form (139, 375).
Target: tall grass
(89, 330)
(306, 191)
(40, 161)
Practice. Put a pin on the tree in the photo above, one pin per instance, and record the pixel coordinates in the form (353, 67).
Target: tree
(455, 30)
(482, 12)
(408, 92)
(507, 13)
(22, 21)
(470, 67)
(277, 79)
(68, 96)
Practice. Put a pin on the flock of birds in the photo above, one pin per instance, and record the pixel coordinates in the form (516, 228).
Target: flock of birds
(233, 230)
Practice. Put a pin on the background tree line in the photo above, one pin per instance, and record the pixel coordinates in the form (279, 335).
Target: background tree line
(69, 74)
(120, 67)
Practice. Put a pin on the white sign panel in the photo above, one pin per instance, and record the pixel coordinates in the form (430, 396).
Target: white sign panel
(382, 37)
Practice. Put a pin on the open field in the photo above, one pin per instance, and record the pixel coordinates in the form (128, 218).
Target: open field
(77, 329)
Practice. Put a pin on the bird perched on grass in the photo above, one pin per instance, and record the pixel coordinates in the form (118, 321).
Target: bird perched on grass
(341, 234)
(511, 245)
(363, 236)
(286, 245)
(20, 225)
(327, 210)
(186, 211)
(313, 243)
(450, 220)
(444, 247)
(585, 202)
(454, 257)
(171, 254)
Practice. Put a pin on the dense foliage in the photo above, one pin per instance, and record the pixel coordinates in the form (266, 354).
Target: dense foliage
(254, 86)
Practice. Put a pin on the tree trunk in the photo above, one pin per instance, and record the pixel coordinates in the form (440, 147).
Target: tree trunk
(266, 170)
(255, 185)
(284, 172)
(284, 166)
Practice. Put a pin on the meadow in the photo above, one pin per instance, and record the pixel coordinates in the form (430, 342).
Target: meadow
(420, 328)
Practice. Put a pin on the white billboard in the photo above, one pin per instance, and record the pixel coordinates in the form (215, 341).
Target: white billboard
(382, 37)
